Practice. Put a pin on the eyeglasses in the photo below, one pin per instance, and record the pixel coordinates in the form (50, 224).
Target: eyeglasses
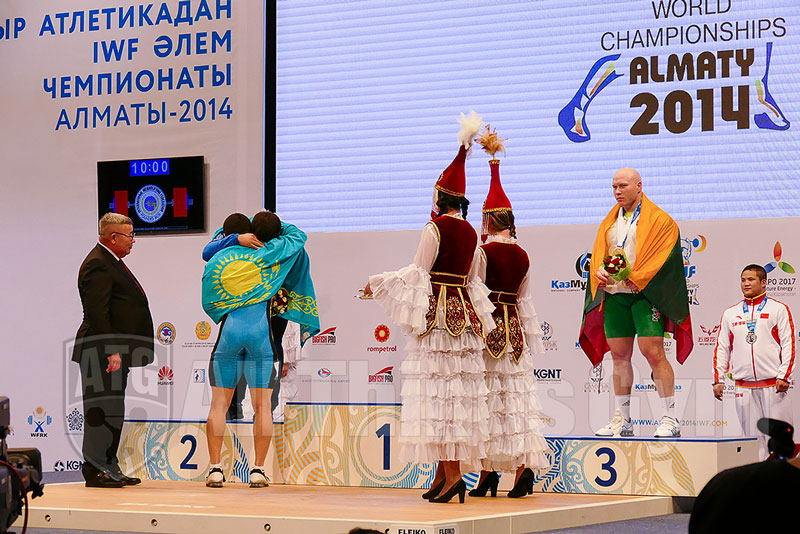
(129, 236)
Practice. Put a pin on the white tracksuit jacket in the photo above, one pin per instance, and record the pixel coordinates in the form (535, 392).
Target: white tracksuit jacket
(770, 357)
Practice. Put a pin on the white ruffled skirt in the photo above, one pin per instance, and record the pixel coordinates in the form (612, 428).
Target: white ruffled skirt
(515, 427)
(444, 414)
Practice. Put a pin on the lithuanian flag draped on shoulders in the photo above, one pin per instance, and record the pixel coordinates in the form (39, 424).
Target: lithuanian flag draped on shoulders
(658, 273)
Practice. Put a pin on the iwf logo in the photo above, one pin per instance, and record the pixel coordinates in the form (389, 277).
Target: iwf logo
(688, 247)
(39, 419)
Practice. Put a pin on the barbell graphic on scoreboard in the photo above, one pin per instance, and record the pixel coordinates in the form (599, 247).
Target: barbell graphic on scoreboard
(150, 203)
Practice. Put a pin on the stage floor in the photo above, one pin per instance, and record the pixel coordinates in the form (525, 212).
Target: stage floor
(188, 507)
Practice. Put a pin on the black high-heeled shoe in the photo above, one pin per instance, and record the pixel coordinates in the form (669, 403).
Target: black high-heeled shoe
(489, 484)
(524, 485)
(434, 491)
(459, 487)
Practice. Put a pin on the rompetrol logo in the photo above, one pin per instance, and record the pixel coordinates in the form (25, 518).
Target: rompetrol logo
(202, 330)
(166, 333)
(382, 333)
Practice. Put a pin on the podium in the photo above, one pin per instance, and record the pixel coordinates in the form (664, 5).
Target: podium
(356, 444)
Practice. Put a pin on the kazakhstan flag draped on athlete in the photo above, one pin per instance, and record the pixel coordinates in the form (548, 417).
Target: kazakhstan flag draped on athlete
(657, 272)
(239, 276)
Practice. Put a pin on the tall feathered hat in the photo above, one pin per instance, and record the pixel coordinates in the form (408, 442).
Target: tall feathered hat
(496, 200)
(453, 180)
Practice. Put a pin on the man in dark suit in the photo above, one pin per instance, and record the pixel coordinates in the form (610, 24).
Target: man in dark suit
(116, 334)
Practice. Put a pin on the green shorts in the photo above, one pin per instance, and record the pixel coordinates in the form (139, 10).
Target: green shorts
(627, 315)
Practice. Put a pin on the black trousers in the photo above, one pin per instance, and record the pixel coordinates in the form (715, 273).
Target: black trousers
(104, 409)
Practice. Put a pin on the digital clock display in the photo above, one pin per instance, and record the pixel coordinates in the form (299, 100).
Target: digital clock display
(160, 195)
(150, 167)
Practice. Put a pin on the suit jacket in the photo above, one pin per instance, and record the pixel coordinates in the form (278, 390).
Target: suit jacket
(116, 314)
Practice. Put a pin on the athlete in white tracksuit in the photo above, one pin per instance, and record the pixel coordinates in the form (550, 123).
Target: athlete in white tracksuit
(756, 344)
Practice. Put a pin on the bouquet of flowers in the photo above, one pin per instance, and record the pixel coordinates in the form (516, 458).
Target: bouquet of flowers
(279, 303)
(617, 266)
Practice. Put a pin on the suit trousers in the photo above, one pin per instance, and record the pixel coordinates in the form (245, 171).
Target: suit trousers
(104, 410)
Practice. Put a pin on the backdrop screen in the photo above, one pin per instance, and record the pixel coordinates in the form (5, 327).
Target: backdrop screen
(703, 98)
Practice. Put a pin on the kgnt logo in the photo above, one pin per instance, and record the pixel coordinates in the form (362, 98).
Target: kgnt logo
(74, 421)
(547, 375)
(328, 337)
(709, 335)
(166, 333)
(384, 376)
(689, 246)
(68, 465)
(39, 419)
(165, 376)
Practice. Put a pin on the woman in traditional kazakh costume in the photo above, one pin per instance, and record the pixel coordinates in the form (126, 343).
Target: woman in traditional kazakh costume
(515, 431)
(439, 302)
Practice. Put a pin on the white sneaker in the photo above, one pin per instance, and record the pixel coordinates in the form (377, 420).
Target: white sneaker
(215, 478)
(669, 428)
(258, 479)
(617, 427)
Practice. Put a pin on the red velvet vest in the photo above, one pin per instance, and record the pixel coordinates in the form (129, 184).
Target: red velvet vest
(506, 267)
(457, 242)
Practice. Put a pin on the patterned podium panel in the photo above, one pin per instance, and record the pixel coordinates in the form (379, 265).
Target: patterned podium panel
(356, 445)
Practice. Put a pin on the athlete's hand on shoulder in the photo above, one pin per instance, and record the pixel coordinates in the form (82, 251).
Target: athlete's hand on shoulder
(719, 388)
(250, 241)
(781, 386)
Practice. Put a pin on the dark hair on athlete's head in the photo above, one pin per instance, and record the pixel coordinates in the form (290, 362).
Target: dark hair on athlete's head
(359, 530)
(236, 223)
(445, 201)
(758, 269)
(266, 226)
(501, 220)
